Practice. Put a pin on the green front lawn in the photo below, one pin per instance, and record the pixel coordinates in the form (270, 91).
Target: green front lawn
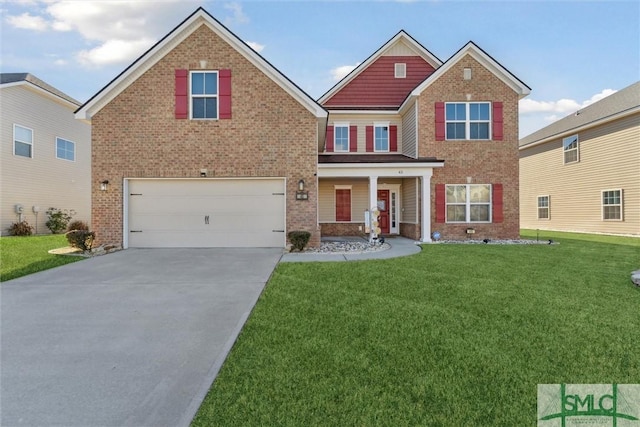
(458, 335)
(20, 256)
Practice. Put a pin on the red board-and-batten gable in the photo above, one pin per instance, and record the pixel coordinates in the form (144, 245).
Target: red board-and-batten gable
(373, 83)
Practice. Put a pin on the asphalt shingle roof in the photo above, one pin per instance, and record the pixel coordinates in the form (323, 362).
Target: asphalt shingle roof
(623, 100)
(28, 77)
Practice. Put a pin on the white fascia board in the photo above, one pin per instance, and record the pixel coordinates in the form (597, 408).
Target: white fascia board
(585, 126)
(425, 54)
(30, 86)
(398, 170)
(179, 35)
(364, 112)
(489, 63)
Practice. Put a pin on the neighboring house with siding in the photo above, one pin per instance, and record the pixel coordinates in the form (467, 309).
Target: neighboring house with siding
(204, 143)
(582, 173)
(46, 153)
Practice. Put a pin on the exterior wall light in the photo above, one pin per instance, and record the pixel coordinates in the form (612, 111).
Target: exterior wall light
(301, 194)
(103, 185)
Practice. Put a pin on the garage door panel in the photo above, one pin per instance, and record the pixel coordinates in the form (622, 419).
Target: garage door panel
(206, 213)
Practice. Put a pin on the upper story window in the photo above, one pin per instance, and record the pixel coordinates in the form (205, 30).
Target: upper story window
(341, 137)
(400, 70)
(612, 205)
(570, 148)
(204, 95)
(22, 141)
(65, 150)
(543, 207)
(381, 137)
(467, 120)
(468, 203)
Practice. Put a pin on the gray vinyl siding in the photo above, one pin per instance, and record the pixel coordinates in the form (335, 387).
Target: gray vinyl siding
(362, 121)
(43, 180)
(409, 201)
(609, 158)
(409, 132)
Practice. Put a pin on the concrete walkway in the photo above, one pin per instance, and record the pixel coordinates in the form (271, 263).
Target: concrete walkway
(400, 246)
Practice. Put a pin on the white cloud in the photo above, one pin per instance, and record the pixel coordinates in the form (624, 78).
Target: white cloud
(28, 22)
(238, 16)
(340, 72)
(115, 31)
(256, 46)
(113, 52)
(561, 106)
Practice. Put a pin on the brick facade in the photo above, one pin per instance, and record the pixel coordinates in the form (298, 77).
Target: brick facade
(136, 135)
(486, 162)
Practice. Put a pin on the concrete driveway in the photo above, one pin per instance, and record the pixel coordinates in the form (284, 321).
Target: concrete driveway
(133, 338)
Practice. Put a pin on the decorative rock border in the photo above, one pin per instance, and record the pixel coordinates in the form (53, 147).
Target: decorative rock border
(69, 251)
(348, 247)
(499, 242)
(635, 277)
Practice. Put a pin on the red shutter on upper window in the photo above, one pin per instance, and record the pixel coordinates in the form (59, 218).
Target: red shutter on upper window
(329, 145)
(393, 138)
(181, 94)
(353, 138)
(343, 205)
(497, 121)
(369, 138)
(224, 80)
(441, 203)
(496, 201)
(440, 122)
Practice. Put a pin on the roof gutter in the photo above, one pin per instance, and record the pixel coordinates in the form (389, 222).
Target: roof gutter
(598, 122)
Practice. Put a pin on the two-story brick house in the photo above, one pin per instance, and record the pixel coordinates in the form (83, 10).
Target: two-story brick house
(201, 142)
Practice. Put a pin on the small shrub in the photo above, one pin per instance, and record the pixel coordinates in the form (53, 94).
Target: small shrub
(20, 229)
(299, 239)
(81, 239)
(58, 219)
(78, 225)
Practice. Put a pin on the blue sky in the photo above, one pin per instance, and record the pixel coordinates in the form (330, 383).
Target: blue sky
(571, 53)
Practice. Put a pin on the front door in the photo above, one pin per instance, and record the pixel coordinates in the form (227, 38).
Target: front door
(383, 207)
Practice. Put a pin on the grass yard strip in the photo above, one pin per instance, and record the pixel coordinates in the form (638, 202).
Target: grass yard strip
(455, 335)
(20, 256)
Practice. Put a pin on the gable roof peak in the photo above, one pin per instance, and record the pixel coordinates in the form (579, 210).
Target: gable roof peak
(400, 37)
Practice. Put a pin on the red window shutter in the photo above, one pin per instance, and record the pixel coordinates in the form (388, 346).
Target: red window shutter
(441, 203)
(353, 138)
(497, 121)
(329, 145)
(440, 122)
(369, 139)
(393, 138)
(182, 96)
(343, 205)
(224, 80)
(497, 203)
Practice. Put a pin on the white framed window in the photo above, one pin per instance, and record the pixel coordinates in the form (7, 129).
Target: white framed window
(400, 70)
(381, 137)
(203, 91)
(570, 148)
(22, 141)
(612, 205)
(468, 203)
(65, 150)
(341, 137)
(543, 207)
(468, 120)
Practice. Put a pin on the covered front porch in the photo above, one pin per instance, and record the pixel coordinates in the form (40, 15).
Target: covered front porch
(397, 186)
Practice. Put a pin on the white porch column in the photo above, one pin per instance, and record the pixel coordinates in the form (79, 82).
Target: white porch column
(373, 195)
(373, 191)
(425, 223)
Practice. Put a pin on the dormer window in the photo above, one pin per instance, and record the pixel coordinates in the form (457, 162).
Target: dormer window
(400, 70)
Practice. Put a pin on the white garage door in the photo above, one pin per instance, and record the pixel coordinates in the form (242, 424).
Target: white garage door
(206, 213)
